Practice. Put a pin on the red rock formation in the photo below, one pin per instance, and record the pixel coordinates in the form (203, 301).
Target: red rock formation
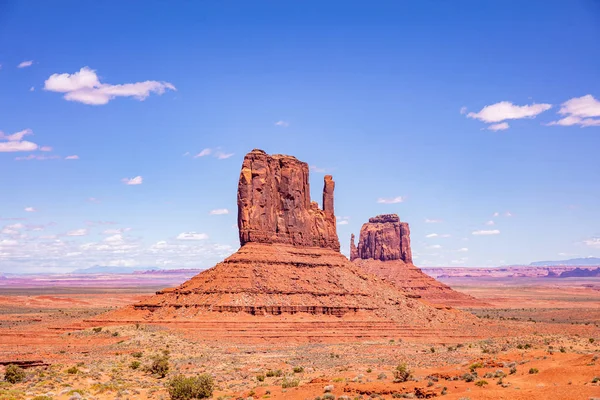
(289, 263)
(384, 238)
(384, 250)
(274, 203)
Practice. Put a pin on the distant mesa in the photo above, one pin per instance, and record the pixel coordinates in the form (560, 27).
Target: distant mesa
(289, 264)
(588, 261)
(577, 273)
(384, 250)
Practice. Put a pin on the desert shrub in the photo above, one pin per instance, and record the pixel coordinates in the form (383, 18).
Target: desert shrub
(277, 373)
(289, 382)
(159, 366)
(42, 398)
(73, 370)
(14, 374)
(533, 370)
(137, 354)
(592, 340)
(297, 370)
(402, 373)
(596, 379)
(260, 378)
(562, 349)
(476, 365)
(369, 370)
(97, 330)
(481, 383)
(328, 389)
(444, 391)
(381, 376)
(468, 378)
(499, 374)
(328, 396)
(432, 350)
(135, 364)
(513, 370)
(194, 387)
(430, 383)
(488, 375)
(115, 333)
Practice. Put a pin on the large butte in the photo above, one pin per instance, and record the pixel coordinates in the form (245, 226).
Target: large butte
(289, 279)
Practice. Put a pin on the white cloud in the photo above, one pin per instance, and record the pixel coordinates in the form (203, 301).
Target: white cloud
(579, 111)
(435, 246)
(84, 87)
(45, 148)
(25, 64)
(114, 238)
(343, 222)
(432, 221)
(506, 110)
(205, 152)
(490, 222)
(393, 200)
(30, 209)
(283, 124)
(593, 242)
(508, 214)
(32, 89)
(432, 235)
(192, 236)
(463, 250)
(486, 232)
(8, 242)
(499, 127)
(319, 170)
(496, 214)
(73, 157)
(37, 157)
(463, 110)
(215, 152)
(219, 211)
(78, 232)
(15, 142)
(16, 137)
(133, 181)
(222, 156)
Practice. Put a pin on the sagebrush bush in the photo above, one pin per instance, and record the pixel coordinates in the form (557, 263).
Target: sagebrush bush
(135, 364)
(289, 382)
(402, 373)
(159, 366)
(14, 374)
(297, 370)
(481, 383)
(193, 387)
(533, 370)
(73, 370)
(137, 354)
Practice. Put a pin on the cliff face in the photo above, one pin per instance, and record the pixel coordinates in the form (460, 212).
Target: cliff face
(274, 204)
(383, 238)
(384, 250)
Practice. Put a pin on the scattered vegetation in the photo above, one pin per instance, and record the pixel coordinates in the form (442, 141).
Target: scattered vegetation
(402, 373)
(135, 364)
(533, 370)
(260, 378)
(277, 373)
(160, 365)
(137, 354)
(298, 370)
(481, 383)
(289, 382)
(14, 374)
(73, 370)
(194, 387)
(97, 330)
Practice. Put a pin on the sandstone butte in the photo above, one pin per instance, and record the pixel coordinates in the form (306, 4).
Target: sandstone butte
(384, 250)
(289, 270)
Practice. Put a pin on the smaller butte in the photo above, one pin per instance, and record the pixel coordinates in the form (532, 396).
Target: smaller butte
(384, 250)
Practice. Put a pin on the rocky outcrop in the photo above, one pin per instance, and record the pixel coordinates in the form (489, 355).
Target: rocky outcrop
(384, 250)
(288, 263)
(383, 238)
(274, 203)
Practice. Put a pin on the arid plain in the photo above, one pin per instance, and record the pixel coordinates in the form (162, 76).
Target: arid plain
(289, 317)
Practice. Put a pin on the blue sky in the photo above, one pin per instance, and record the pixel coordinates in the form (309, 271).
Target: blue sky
(388, 97)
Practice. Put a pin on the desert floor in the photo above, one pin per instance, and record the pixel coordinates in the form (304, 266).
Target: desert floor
(549, 349)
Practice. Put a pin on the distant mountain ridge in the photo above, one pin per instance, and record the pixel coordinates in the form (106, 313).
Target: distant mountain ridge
(102, 269)
(571, 262)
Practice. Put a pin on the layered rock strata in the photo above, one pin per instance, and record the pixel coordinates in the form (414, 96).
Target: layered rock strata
(288, 264)
(384, 250)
